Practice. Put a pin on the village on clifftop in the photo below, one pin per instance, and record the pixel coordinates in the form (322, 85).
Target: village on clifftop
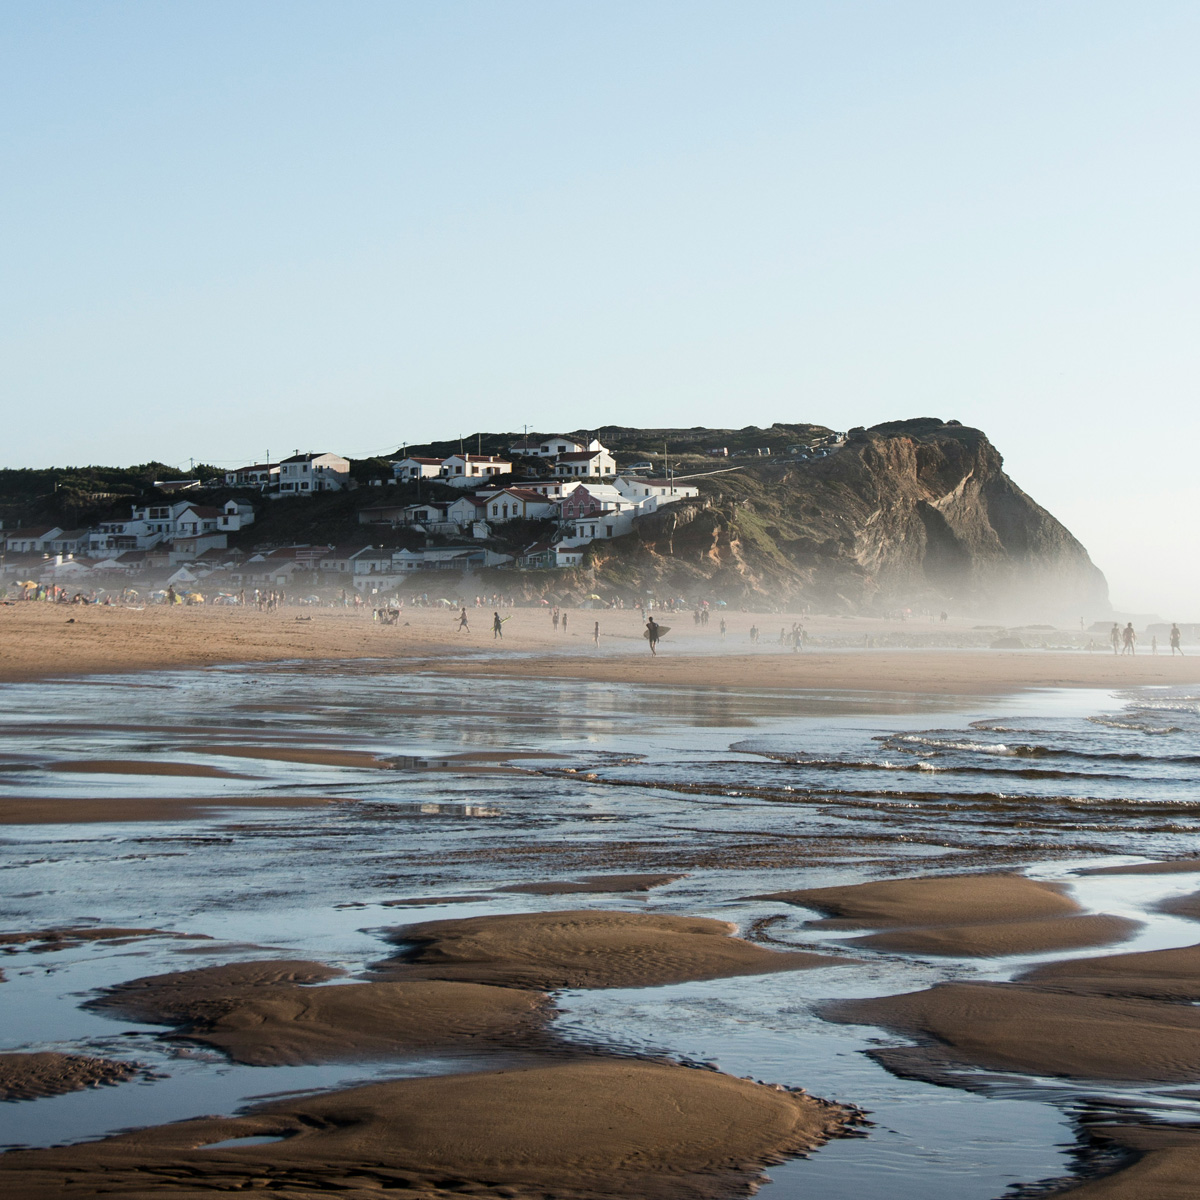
(573, 487)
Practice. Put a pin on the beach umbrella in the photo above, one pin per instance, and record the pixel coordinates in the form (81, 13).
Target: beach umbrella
(593, 596)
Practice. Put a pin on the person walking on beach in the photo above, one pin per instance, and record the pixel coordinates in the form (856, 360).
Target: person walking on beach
(497, 627)
(754, 635)
(554, 618)
(596, 635)
(652, 635)
(564, 619)
(1115, 637)
(1128, 638)
(1175, 646)
(462, 621)
(722, 629)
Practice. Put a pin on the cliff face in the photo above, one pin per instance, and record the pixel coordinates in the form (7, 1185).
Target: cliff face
(909, 513)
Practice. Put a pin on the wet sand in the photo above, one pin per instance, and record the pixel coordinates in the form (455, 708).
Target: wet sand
(1171, 975)
(480, 981)
(268, 1014)
(32, 1076)
(1171, 867)
(36, 643)
(582, 1129)
(926, 915)
(998, 938)
(88, 810)
(1005, 1027)
(585, 949)
(591, 884)
(1166, 1167)
(931, 900)
(39, 940)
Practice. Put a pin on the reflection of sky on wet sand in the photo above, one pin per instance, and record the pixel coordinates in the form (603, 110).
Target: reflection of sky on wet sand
(747, 793)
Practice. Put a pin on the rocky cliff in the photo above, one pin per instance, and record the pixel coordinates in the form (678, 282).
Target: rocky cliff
(911, 513)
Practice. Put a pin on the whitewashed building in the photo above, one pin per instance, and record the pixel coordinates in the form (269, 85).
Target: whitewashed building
(409, 469)
(638, 487)
(585, 464)
(548, 447)
(470, 470)
(304, 474)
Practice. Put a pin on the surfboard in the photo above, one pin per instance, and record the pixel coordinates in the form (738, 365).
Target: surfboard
(662, 629)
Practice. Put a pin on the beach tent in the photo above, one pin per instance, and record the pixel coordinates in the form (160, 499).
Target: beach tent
(183, 575)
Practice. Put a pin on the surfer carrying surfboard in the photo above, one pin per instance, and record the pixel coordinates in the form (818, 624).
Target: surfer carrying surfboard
(653, 631)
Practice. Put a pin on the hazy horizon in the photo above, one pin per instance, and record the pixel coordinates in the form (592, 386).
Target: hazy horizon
(242, 227)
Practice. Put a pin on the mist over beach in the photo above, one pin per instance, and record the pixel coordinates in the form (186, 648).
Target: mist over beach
(599, 603)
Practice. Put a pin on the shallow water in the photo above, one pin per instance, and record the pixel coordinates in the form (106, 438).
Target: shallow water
(744, 792)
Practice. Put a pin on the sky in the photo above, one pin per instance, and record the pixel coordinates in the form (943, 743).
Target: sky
(238, 227)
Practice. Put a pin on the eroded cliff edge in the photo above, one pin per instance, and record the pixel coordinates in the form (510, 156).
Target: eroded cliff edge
(909, 513)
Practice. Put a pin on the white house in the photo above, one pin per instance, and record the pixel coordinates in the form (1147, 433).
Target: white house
(585, 464)
(600, 526)
(189, 547)
(517, 503)
(236, 514)
(637, 487)
(466, 510)
(303, 474)
(408, 469)
(568, 556)
(469, 470)
(257, 475)
(67, 541)
(30, 540)
(150, 525)
(548, 447)
(551, 489)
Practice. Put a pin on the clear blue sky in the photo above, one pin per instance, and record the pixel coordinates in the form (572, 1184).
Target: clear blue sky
(230, 227)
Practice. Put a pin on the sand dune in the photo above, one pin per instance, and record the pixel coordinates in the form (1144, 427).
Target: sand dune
(586, 949)
(591, 1128)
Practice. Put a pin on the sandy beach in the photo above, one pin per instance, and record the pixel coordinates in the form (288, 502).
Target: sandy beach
(325, 725)
(42, 640)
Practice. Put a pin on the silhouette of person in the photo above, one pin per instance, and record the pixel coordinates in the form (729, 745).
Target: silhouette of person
(652, 634)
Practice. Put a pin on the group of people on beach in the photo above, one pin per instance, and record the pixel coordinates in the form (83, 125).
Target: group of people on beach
(1124, 641)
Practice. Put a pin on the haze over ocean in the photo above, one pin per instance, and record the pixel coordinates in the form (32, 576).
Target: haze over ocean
(240, 227)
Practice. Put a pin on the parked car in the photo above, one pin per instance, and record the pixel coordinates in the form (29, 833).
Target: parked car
(639, 466)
